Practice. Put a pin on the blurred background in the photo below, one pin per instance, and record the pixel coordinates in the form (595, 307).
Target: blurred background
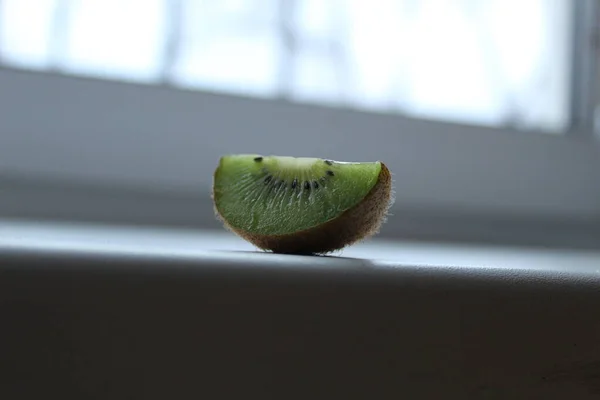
(116, 111)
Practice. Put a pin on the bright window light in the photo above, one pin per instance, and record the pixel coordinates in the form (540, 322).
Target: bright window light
(488, 62)
(25, 32)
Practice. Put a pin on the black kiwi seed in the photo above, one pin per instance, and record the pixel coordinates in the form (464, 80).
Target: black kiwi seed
(258, 159)
(315, 184)
(330, 172)
(307, 185)
(328, 162)
(294, 183)
(268, 179)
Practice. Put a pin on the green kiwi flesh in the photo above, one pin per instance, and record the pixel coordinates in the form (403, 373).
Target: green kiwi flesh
(300, 205)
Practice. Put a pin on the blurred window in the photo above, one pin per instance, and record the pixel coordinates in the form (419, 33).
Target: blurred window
(487, 62)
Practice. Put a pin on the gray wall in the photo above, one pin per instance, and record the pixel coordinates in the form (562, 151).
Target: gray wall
(134, 137)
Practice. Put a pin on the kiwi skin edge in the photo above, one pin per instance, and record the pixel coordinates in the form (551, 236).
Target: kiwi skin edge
(355, 224)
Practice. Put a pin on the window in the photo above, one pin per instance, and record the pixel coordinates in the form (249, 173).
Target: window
(456, 97)
(495, 62)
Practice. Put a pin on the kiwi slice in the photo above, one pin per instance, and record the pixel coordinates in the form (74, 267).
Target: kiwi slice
(301, 205)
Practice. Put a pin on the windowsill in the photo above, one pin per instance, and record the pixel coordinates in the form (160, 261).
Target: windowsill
(147, 242)
(90, 309)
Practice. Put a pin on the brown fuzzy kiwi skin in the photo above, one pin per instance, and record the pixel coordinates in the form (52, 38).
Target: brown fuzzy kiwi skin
(353, 225)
